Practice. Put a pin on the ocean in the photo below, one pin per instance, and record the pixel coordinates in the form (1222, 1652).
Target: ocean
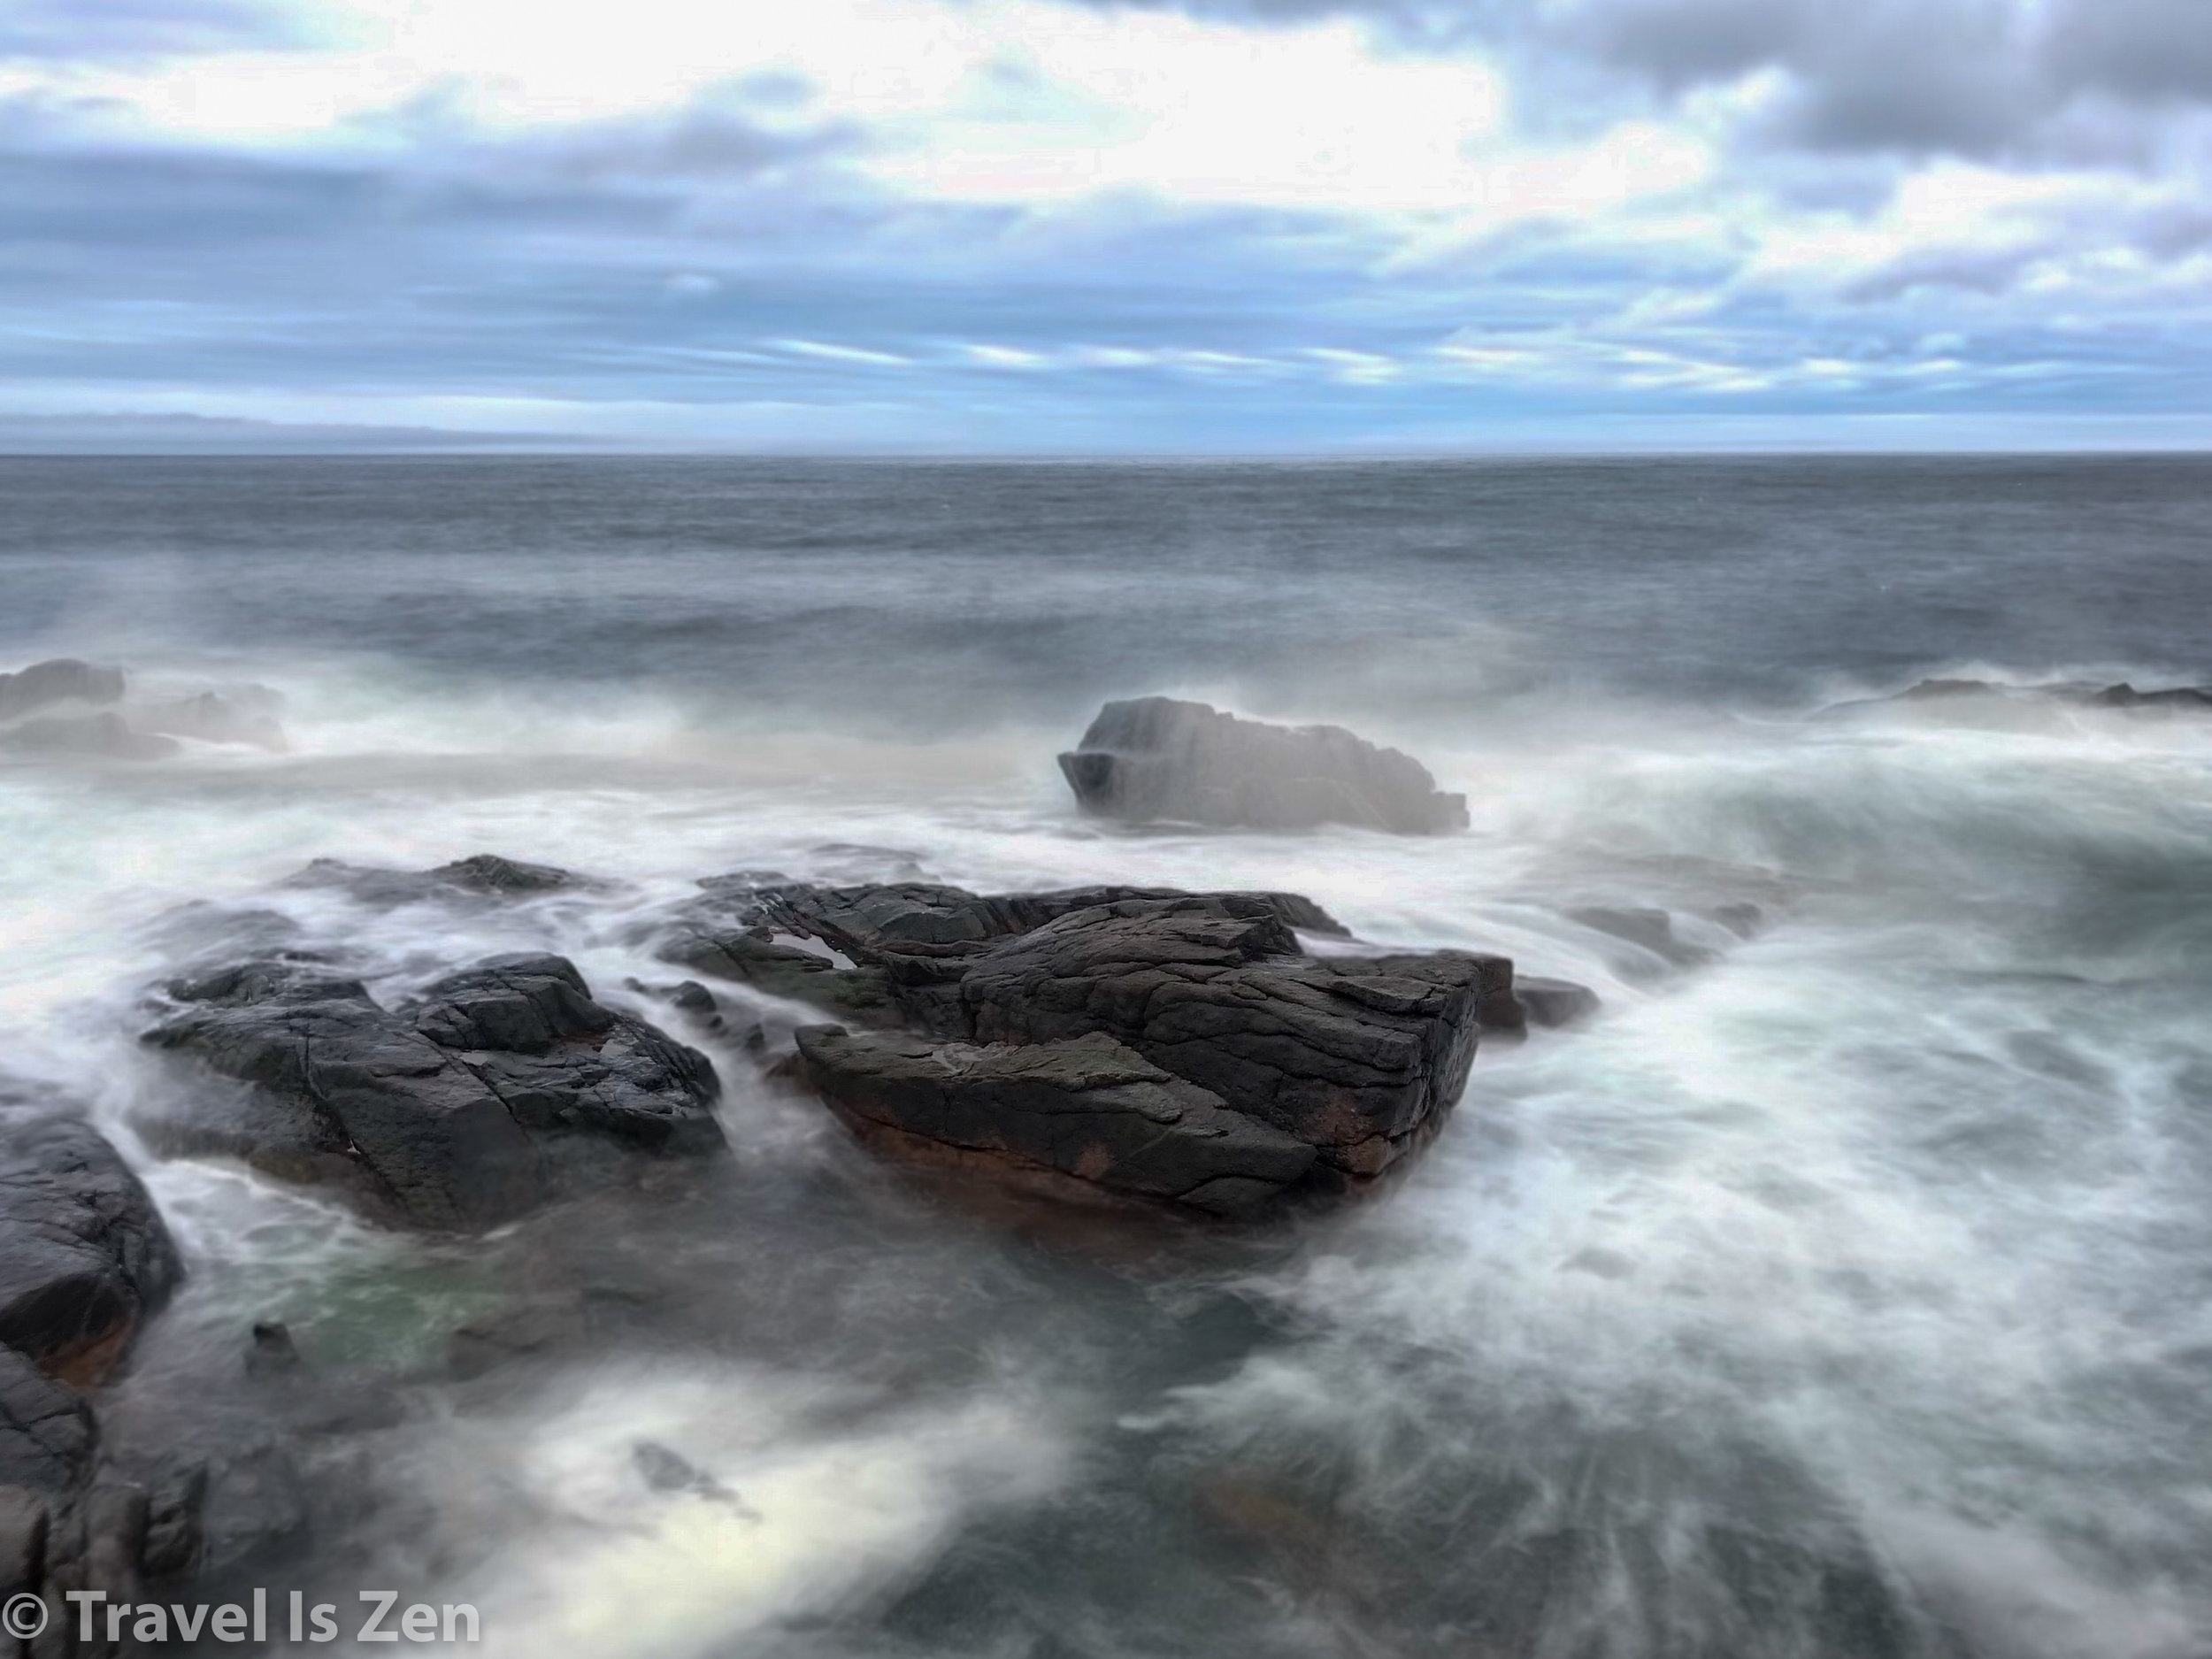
(1845, 1291)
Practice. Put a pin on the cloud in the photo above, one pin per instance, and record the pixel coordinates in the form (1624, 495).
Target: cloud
(136, 30)
(1034, 223)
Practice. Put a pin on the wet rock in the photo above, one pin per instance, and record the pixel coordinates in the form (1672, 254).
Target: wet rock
(174, 1509)
(62, 679)
(1549, 1004)
(503, 1086)
(2083, 693)
(1159, 758)
(1086, 1107)
(23, 1523)
(270, 1351)
(664, 1470)
(105, 736)
(1650, 929)
(529, 1330)
(46, 1433)
(896, 950)
(1354, 1055)
(484, 875)
(84, 1256)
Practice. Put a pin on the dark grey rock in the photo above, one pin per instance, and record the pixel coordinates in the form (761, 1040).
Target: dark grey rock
(84, 1256)
(270, 1352)
(1087, 1107)
(174, 1509)
(63, 679)
(46, 1436)
(23, 1523)
(503, 1086)
(1159, 758)
(908, 943)
(1354, 1055)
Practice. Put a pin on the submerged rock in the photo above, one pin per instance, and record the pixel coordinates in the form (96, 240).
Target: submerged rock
(2081, 693)
(1161, 758)
(246, 714)
(503, 1086)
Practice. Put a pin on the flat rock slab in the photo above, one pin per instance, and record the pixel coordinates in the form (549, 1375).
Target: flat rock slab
(1159, 758)
(84, 1256)
(484, 875)
(503, 1086)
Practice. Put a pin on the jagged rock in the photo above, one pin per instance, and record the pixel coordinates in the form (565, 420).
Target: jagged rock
(482, 875)
(1354, 1055)
(504, 1084)
(1086, 1107)
(897, 948)
(63, 679)
(105, 735)
(1160, 758)
(84, 1254)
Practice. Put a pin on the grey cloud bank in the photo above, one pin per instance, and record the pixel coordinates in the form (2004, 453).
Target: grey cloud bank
(1962, 218)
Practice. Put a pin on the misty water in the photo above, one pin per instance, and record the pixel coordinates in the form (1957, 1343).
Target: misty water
(1846, 1293)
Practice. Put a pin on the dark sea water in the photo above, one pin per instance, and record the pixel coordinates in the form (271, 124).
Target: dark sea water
(1847, 1293)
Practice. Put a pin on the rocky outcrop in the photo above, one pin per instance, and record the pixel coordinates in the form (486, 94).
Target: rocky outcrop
(1147, 1042)
(503, 1086)
(84, 1259)
(2080, 693)
(1354, 1055)
(1087, 1109)
(1158, 758)
(66, 706)
(83, 1255)
(63, 679)
(483, 875)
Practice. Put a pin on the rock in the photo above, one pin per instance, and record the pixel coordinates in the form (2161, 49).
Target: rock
(525, 1331)
(1159, 758)
(664, 1470)
(271, 1351)
(23, 1523)
(1086, 1107)
(2080, 693)
(46, 1436)
(1551, 1004)
(1354, 1055)
(484, 875)
(63, 679)
(84, 1254)
(174, 1507)
(503, 1086)
(897, 948)
(104, 735)
(1652, 930)
(248, 715)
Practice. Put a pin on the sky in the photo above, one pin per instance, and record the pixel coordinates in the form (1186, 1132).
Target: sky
(1053, 227)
